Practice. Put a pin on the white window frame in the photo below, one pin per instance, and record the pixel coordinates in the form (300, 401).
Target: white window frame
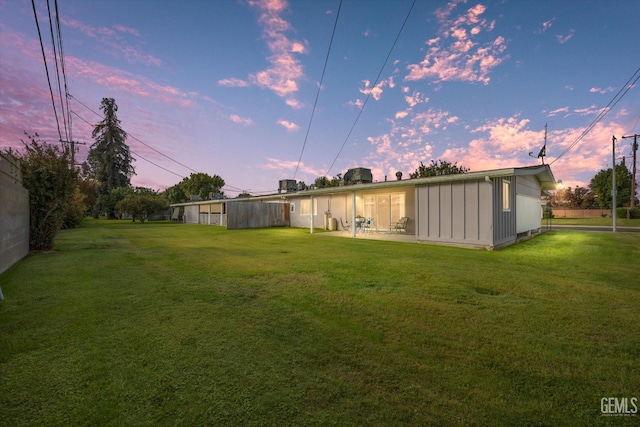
(305, 207)
(506, 196)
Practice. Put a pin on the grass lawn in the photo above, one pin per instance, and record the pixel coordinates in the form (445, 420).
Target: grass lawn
(170, 324)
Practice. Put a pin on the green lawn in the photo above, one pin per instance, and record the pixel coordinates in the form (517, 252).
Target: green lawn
(171, 324)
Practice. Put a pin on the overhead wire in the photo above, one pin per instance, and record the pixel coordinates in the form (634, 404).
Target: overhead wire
(57, 68)
(137, 139)
(603, 112)
(315, 103)
(227, 186)
(372, 87)
(63, 68)
(133, 152)
(46, 68)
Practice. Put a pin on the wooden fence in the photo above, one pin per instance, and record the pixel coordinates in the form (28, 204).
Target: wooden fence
(257, 215)
(580, 213)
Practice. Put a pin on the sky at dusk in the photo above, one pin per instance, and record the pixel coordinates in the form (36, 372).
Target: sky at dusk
(229, 87)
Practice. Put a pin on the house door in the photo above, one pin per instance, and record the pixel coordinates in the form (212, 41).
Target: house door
(384, 209)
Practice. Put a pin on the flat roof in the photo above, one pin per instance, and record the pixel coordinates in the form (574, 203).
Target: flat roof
(542, 172)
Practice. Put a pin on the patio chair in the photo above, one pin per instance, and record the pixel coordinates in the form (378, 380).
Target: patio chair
(400, 226)
(344, 227)
(367, 225)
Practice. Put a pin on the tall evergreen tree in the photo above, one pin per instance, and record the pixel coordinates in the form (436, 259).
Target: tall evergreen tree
(109, 161)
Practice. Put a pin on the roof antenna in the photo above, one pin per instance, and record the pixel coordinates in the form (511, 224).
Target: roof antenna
(543, 151)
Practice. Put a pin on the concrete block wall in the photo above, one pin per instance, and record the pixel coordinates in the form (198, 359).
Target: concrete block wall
(14, 215)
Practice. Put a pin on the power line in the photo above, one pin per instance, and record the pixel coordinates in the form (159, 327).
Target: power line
(57, 68)
(133, 152)
(230, 187)
(372, 87)
(324, 68)
(137, 139)
(162, 154)
(618, 96)
(46, 68)
(64, 72)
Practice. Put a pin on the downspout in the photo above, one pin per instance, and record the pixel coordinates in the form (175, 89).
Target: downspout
(209, 215)
(353, 214)
(311, 216)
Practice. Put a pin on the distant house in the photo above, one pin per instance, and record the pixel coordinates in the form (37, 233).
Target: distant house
(486, 209)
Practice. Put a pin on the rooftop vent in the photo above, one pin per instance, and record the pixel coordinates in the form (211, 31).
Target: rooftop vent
(288, 186)
(358, 176)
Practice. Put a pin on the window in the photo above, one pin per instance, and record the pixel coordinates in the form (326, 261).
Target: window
(506, 196)
(305, 207)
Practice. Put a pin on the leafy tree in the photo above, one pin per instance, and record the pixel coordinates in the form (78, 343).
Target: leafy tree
(601, 185)
(109, 161)
(76, 210)
(89, 189)
(203, 185)
(51, 183)
(110, 201)
(579, 198)
(174, 194)
(323, 182)
(141, 203)
(437, 168)
(244, 194)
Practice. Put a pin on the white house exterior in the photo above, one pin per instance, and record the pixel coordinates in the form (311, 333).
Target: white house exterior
(486, 209)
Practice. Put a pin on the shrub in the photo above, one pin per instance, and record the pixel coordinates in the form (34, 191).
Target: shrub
(51, 182)
(633, 213)
(76, 211)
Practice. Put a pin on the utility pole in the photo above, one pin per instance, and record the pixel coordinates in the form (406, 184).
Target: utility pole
(73, 150)
(613, 184)
(633, 173)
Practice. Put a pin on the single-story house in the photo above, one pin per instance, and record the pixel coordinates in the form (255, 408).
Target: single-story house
(485, 209)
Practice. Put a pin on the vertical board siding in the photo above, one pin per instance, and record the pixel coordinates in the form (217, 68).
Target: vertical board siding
(459, 212)
(504, 222)
(472, 210)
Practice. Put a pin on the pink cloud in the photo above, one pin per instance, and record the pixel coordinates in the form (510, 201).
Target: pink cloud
(233, 82)
(113, 40)
(124, 29)
(601, 90)
(593, 109)
(376, 92)
(563, 39)
(558, 111)
(293, 103)
(26, 102)
(285, 70)
(240, 120)
(458, 53)
(287, 166)
(290, 126)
